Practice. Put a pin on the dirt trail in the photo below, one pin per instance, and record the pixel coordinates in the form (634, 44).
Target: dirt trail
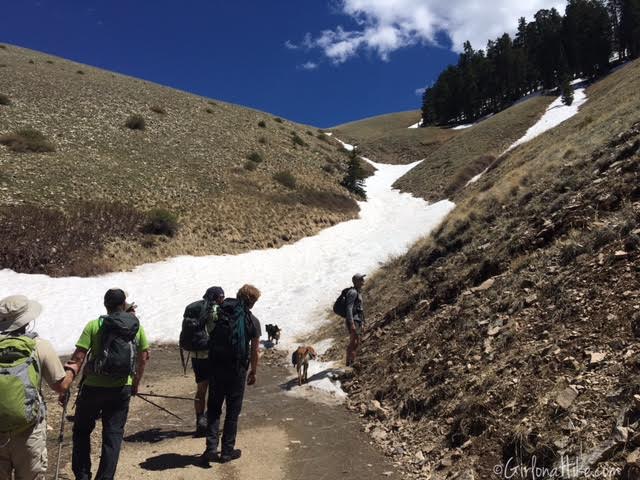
(281, 436)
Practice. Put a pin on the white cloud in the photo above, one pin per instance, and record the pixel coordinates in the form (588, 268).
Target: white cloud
(309, 66)
(419, 91)
(388, 25)
(290, 45)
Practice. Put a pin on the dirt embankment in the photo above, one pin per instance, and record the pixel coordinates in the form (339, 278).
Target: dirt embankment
(282, 436)
(509, 338)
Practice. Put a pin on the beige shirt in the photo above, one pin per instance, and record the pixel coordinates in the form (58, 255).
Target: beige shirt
(52, 369)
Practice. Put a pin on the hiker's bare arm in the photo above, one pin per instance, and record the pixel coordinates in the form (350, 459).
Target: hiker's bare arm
(143, 358)
(74, 364)
(351, 302)
(255, 344)
(63, 385)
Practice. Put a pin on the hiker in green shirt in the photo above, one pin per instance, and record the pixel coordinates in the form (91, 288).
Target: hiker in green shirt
(116, 351)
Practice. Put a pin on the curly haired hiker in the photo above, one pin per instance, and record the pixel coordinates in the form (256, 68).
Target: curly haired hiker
(116, 351)
(197, 324)
(25, 359)
(233, 350)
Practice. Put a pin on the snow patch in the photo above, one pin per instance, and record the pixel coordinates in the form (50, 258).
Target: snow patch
(347, 146)
(556, 113)
(416, 125)
(298, 281)
(462, 127)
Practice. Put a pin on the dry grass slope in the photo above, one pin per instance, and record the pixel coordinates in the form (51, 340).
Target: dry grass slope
(387, 139)
(511, 332)
(127, 141)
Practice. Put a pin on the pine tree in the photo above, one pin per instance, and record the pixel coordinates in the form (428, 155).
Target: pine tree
(354, 178)
(630, 27)
(567, 92)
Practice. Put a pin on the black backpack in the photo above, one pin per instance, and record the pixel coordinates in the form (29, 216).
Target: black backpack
(229, 342)
(118, 354)
(340, 305)
(193, 335)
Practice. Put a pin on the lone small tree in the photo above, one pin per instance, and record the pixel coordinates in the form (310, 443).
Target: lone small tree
(567, 92)
(354, 178)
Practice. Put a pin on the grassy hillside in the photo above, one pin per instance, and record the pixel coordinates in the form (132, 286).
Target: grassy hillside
(451, 166)
(387, 139)
(85, 154)
(510, 334)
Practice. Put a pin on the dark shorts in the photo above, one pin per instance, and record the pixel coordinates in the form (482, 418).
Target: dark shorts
(358, 326)
(202, 369)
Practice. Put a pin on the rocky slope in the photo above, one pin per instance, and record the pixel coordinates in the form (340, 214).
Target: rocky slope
(509, 338)
(236, 178)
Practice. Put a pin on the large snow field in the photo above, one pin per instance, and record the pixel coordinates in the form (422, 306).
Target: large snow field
(298, 282)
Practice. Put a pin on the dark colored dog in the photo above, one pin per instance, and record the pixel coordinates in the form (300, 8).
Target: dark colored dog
(273, 331)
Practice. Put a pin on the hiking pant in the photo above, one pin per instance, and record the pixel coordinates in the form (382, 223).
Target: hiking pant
(24, 453)
(226, 386)
(113, 404)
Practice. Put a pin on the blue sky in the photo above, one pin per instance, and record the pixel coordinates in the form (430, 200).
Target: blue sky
(362, 57)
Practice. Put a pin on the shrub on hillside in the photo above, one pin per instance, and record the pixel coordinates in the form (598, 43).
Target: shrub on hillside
(27, 140)
(262, 140)
(157, 109)
(4, 100)
(80, 72)
(297, 140)
(136, 122)
(277, 119)
(208, 110)
(250, 165)
(255, 157)
(160, 222)
(34, 239)
(262, 124)
(286, 178)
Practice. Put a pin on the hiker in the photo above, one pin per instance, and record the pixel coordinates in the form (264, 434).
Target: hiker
(233, 350)
(199, 318)
(25, 359)
(116, 351)
(354, 320)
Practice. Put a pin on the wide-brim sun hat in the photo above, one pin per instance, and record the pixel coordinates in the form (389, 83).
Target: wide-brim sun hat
(16, 311)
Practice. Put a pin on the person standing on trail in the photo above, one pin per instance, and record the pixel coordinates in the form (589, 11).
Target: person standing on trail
(116, 351)
(233, 350)
(197, 324)
(25, 359)
(354, 320)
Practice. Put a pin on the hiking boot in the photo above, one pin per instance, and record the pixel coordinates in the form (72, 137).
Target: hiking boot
(207, 457)
(232, 455)
(201, 425)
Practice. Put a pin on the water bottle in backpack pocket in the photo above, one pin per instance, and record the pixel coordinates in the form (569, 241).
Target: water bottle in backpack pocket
(229, 340)
(22, 405)
(118, 352)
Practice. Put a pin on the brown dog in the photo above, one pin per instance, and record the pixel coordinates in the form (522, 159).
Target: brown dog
(300, 359)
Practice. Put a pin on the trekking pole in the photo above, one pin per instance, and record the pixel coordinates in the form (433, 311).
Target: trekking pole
(161, 408)
(164, 396)
(61, 436)
(184, 362)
